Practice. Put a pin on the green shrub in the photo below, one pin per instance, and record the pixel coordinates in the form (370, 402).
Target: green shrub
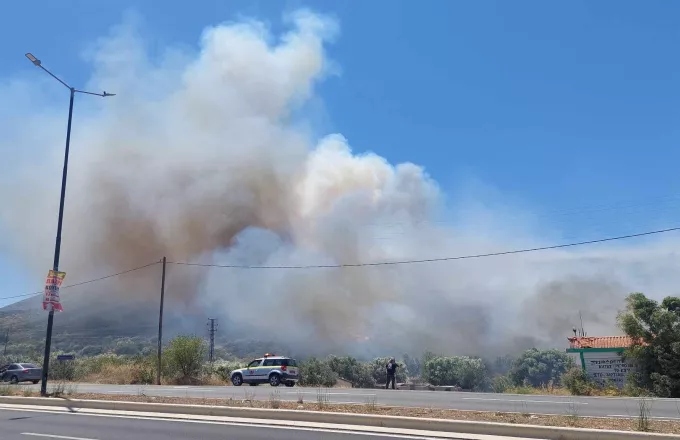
(184, 357)
(317, 373)
(540, 367)
(501, 384)
(463, 371)
(62, 370)
(223, 369)
(348, 368)
(578, 383)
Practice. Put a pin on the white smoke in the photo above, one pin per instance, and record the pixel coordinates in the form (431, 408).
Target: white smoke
(202, 157)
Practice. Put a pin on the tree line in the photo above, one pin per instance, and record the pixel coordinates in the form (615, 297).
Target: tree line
(653, 326)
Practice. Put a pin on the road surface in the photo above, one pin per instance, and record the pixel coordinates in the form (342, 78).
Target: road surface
(534, 404)
(17, 423)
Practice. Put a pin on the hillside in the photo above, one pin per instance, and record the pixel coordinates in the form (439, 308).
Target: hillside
(90, 325)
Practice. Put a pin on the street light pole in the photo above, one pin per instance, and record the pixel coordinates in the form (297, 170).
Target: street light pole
(62, 198)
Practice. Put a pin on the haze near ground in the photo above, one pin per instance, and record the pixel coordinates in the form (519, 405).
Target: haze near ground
(209, 156)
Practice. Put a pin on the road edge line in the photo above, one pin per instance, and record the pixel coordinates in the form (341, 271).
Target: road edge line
(397, 422)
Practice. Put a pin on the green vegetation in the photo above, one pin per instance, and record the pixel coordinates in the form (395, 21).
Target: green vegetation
(539, 367)
(656, 329)
(654, 326)
(184, 358)
(461, 371)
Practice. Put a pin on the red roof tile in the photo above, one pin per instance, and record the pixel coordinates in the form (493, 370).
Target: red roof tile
(600, 342)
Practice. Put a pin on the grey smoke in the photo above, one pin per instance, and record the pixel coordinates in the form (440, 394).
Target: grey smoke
(205, 157)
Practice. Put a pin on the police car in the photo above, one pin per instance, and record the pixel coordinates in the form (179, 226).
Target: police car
(271, 369)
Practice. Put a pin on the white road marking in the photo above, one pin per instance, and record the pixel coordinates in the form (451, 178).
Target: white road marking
(55, 436)
(331, 394)
(618, 416)
(524, 400)
(360, 430)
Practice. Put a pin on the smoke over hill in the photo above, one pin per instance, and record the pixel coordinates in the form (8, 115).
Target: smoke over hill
(206, 157)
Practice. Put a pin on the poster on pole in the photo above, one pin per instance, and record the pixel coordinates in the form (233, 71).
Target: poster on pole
(51, 299)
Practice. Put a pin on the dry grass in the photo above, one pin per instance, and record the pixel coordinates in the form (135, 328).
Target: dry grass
(559, 391)
(213, 380)
(115, 374)
(570, 419)
(126, 374)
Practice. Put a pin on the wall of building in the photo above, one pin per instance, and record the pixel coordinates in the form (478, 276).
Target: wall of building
(606, 365)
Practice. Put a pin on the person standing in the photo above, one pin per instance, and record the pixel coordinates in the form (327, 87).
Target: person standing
(391, 373)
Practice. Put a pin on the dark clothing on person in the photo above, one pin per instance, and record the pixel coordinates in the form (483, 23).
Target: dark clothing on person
(391, 375)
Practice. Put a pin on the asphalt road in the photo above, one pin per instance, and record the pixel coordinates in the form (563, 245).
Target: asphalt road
(37, 425)
(534, 404)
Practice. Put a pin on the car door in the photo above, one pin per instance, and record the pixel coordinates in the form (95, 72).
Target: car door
(268, 366)
(11, 371)
(252, 370)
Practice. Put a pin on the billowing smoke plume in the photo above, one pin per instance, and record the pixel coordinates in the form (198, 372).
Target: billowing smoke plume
(205, 157)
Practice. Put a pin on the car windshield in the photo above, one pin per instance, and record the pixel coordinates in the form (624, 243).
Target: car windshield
(254, 363)
(30, 366)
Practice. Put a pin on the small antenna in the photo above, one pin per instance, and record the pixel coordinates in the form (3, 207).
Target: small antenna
(583, 332)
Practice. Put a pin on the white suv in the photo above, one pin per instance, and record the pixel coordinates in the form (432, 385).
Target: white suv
(271, 369)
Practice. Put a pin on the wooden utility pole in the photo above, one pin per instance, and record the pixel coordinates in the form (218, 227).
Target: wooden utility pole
(211, 354)
(160, 326)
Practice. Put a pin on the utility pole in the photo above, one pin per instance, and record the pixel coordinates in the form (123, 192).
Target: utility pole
(213, 328)
(60, 219)
(160, 326)
(4, 352)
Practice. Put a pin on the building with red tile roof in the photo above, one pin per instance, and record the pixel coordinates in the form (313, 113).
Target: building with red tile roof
(602, 357)
(577, 342)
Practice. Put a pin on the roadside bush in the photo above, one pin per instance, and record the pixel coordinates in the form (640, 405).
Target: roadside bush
(540, 367)
(501, 384)
(317, 373)
(93, 366)
(223, 369)
(62, 370)
(184, 358)
(113, 369)
(578, 383)
(463, 371)
(349, 369)
(144, 370)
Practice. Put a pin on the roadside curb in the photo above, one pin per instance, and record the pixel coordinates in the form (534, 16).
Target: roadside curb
(423, 424)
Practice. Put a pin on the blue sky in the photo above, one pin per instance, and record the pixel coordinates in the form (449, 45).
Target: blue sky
(568, 108)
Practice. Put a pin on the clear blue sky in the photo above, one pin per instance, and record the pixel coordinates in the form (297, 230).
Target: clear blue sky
(559, 105)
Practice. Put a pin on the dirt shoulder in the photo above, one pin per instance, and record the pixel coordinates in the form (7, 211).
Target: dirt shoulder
(572, 420)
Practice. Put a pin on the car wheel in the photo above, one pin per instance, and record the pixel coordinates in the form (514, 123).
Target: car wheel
(14, 380)
(274, 380)
(237, 380)
(35, 382)
(290, 383)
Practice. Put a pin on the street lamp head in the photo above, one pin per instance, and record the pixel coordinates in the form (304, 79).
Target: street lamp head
(106, 94)
(33, 59)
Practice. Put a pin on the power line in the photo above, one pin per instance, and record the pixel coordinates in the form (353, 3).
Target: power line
(86, 282)
(432, 260)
